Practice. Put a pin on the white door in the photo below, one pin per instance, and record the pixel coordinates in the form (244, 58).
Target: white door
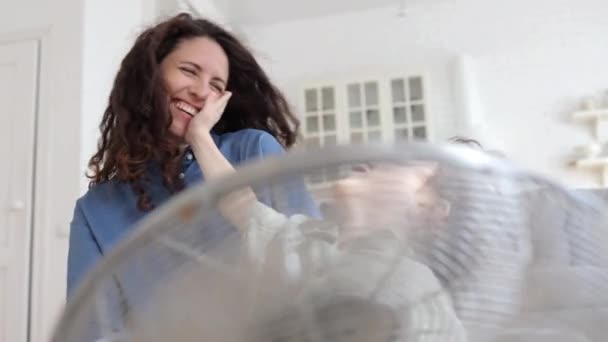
(18, 98)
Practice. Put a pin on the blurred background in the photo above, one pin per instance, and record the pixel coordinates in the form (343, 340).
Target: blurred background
(526, 78)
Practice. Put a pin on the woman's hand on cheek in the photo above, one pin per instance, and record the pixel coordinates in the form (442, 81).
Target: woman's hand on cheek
(203, 121)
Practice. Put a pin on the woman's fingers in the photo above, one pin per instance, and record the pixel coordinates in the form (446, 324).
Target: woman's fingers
(222, 102)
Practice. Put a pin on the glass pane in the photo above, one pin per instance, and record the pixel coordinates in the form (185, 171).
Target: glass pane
(401, 134)
(417, 113)
(398, 90)
(313, 142)
(356, 120)
(311, 100)
(327, 98)
(356, 137)
(415, 84)
(420, 133)
(371, 93)
(374, 136)
(330, 140)
(312, 124)
(399, 115)
(354, 95)
(329, 122)
(373, 117)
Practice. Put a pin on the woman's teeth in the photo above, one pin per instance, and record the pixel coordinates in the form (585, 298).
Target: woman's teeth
(188, 109)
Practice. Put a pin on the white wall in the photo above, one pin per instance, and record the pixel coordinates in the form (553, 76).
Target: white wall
(58, 24)
(110, 28)
(210, 10)
(534, 60)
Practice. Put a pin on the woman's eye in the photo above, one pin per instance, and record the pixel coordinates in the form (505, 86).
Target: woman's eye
(188, 71)
(217, 88)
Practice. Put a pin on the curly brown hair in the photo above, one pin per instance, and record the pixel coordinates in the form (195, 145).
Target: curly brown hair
(135, 124)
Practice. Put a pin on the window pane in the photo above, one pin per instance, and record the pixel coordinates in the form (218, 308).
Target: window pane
(312, 124)
(327, 97)
(399, 115)
(374, 136)
(329, 122)
(371, 93)
(401, 134)
(420, 133)
(330, 140)
(356, 120)
(398, 90)
(313, 142)
(417, 113)
(373, 117)
(311, 100)
(356, 137)
(354, 95)
(415, 84)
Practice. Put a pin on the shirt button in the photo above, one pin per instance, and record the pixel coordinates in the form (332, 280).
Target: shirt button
(189, 156)
(181, 175)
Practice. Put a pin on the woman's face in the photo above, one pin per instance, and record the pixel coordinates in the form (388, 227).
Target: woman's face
(196, 68)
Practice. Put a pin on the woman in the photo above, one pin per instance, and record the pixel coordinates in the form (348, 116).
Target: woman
(189, 102)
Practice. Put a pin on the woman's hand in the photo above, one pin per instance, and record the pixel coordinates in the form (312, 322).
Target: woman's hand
(203, 122)
(236, 205)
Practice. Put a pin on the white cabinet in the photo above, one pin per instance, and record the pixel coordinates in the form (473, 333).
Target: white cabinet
(359, 110)
(18, 98)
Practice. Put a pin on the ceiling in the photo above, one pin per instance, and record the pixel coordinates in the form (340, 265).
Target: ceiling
(268, 12)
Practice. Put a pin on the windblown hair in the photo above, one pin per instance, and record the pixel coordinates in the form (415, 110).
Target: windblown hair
(135, 124)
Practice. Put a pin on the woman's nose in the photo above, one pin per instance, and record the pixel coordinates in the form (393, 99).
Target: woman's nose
(200, 89)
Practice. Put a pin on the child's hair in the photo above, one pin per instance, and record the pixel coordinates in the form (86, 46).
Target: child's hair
(466, 141)
(475, 144)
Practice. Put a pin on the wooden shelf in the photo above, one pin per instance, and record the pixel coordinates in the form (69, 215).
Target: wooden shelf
(592, 163)
(594, 116)
(586, 115)
(598, 118)
(595, 163)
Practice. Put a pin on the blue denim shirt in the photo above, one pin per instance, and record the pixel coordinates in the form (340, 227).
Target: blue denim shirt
(108, 211)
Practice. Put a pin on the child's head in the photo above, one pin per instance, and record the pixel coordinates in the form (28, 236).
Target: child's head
(387, 196)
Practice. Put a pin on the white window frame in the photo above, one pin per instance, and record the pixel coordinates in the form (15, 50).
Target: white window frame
(385, 105)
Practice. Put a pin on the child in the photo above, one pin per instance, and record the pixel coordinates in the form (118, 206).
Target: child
(306, 279)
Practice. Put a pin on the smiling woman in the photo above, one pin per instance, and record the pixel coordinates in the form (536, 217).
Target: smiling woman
(189, 102)
(198, 69)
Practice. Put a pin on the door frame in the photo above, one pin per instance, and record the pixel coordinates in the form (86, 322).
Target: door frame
(55, 183)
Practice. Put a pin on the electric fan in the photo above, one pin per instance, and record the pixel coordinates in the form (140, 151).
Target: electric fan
(410, 242)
